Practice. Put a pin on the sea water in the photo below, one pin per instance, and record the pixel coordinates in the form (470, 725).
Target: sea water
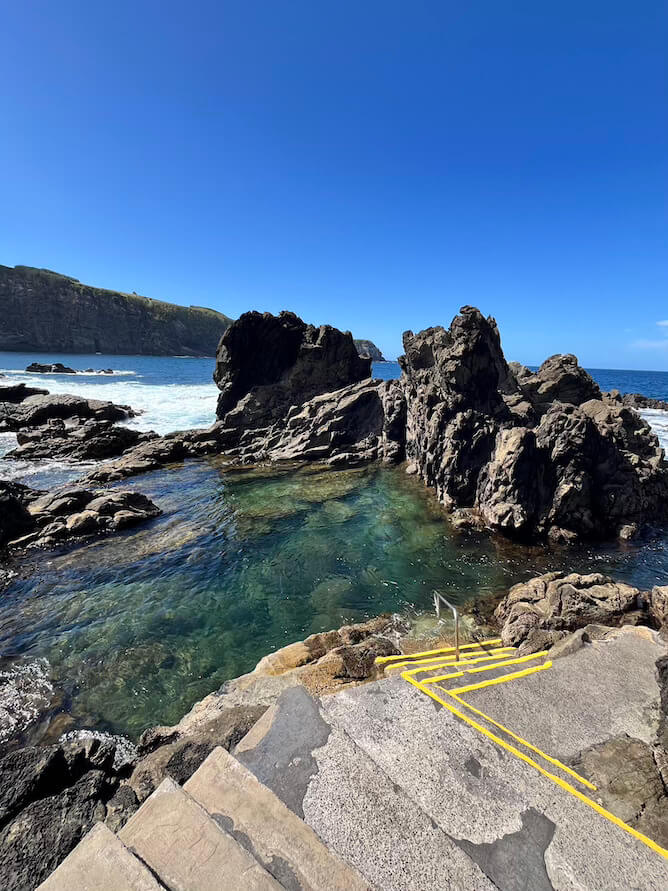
(130, 630)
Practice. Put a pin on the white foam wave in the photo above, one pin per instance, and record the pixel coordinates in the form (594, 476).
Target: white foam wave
(658, 421)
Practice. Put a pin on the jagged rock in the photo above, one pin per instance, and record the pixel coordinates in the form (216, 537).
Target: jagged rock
(36, 410)
(539, 455)
(55, 368)
(265, 364)
(19, 393)
(49, 798)
(636, 400)
(558, 602)
(559, 379)
(178, 751)
(80, 440)
(73, 512)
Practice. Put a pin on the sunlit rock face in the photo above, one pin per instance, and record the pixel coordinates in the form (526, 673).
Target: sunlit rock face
(532, 455)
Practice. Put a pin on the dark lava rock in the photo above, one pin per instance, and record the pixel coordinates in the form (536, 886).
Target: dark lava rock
(637, 400)
(49, 798)
(14, 517)
(530, 455)
(275, 362)
(19, 393)
(177, 752)
(38, 410)
(81, 440)
(55, 368)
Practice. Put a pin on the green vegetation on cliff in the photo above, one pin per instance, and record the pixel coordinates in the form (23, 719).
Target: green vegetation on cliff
(45, 311)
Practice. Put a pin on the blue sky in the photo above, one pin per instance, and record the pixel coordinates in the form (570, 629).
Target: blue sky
(374, 165)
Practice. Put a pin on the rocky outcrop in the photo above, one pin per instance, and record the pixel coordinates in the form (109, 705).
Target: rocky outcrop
(40, 409)
(266, 364)
(367, 349)
(49, 798)
(531, 455)
(55, 368)
(290, 391)
(44, 311)
(45, 520)
(637, 400)
(76, 440)
(541, 611)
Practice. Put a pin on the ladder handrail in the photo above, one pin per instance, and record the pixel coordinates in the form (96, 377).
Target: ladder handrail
(438, 598)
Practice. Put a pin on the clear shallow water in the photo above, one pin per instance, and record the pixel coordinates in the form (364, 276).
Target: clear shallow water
(136, 628)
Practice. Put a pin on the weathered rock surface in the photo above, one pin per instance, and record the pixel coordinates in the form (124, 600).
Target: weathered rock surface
(76, 439)
(49, 798)
(628, 780)
(368, 350)
(540, 611)
(529, 455)
(36, 410)
(54, 368)
(44, 311)
(70, 513)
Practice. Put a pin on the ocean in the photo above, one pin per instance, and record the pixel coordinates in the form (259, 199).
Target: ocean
(129, 631)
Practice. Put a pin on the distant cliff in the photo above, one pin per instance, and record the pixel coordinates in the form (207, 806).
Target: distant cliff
(44, 311)
(368, 350)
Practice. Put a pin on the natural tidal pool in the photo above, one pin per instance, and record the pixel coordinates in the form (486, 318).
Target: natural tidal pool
(137, 627)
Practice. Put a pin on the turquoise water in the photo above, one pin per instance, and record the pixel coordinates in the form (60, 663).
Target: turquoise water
(137, 627)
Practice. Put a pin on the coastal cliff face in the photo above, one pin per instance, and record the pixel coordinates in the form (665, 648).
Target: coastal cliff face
(48, 312)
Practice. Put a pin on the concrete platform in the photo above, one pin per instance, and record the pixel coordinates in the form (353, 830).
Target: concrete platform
(495, 820)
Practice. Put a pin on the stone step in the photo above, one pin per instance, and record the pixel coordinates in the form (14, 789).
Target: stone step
(101, 862)
(282, 843)
(187, 849)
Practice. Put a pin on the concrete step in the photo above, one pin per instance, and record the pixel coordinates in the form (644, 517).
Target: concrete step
(189, 851)
(324, 778)
(101, 862)
(282, 843)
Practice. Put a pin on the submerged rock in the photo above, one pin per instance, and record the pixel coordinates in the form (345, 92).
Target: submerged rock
(541, 455)
(71, 512)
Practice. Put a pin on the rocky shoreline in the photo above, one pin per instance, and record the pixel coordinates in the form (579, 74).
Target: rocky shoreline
(535, 457)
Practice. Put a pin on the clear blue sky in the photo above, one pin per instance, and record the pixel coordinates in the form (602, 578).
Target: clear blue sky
(370, 164)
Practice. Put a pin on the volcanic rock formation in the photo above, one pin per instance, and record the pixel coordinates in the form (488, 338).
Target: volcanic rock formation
(530, 455)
